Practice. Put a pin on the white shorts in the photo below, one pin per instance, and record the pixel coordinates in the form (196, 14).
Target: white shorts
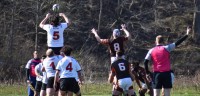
(125, 83)
(113, 59)
(144, 86)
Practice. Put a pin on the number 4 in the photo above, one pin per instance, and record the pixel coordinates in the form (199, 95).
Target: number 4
(69, 67)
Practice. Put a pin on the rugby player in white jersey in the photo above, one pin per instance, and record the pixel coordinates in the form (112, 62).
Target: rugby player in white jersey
(39, 77)
(55, 31)
(49, 65)
(67, 69)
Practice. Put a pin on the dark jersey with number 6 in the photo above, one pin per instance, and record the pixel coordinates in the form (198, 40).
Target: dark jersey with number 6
(115, 44)
(120, 68)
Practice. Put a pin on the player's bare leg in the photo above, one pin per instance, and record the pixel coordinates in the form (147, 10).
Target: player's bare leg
(42, 93)
(167, 91)
(50, 92)
(156, 92)
(69, 93)
(62, 93)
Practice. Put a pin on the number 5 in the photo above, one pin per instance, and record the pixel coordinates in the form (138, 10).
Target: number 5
(56, 35)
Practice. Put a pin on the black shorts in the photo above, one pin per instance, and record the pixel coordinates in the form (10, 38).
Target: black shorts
(38, 86)
(162, 80)
(56, 50)
(50, 82)
(69, 84)
(44, 86)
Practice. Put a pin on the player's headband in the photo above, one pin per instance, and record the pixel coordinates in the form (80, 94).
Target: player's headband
(116, 32)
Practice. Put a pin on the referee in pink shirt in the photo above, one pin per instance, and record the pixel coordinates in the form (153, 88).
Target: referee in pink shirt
(160, 57)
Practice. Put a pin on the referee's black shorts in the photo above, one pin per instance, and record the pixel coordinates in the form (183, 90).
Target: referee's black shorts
(162, 80)
(69, 84)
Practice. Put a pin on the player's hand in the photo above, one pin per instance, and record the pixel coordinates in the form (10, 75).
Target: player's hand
(94, 31)
(61, 14)
(149, 77)
(48, 15)
(40, 77)
(123, 27)
(188, 29)
(28, 81)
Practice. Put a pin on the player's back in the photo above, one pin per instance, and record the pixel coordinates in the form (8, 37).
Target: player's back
(117, 45)
(50, 64)
(68, 67)
(121, 67)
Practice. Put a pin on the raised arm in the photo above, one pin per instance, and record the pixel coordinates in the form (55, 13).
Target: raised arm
(96, 35)
(65, 17)
(126, 31)
(42, 23)
(183, 38)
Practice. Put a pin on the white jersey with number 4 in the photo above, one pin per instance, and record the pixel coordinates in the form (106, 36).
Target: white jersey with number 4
(68, 67)
(50, 64)
(55, 34)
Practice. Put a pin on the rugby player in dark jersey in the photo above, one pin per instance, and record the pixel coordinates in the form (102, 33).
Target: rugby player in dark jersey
(122, 70)
(116, 43)
(141, 75)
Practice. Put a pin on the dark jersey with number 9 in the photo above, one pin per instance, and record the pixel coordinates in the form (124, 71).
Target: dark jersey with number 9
(120, 68)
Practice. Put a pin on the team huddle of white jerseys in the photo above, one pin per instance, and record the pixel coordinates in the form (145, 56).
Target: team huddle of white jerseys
(67, 66)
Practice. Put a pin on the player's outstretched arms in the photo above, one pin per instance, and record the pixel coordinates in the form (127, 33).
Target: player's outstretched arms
(42, 23)
(125, 30)
(96, 35)
(183, 38)
(65, 17)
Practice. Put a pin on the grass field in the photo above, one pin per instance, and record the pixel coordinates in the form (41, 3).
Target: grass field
(92, 90)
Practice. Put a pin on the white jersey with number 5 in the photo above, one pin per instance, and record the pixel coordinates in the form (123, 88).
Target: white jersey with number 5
(55, 34)
(68, 67)
(50, 66)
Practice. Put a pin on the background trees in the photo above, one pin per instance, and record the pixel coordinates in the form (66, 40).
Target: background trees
(20, 34)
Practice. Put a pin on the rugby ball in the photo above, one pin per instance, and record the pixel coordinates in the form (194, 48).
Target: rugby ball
(55, 7)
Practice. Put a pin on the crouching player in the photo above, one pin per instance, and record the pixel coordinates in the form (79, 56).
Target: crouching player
(67, 69)
(141, 75)
(122, 70)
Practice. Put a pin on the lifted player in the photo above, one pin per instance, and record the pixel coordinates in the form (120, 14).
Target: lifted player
(116, 43)
(55, 40)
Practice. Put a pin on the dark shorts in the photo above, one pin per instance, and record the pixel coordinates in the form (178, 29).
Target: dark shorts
(69, 84)
(56, 50)
(38, 86)
(162, 80)
(44, 86)
(50, 82)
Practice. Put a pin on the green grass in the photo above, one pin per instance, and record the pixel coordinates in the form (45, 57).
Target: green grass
(92, 90)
